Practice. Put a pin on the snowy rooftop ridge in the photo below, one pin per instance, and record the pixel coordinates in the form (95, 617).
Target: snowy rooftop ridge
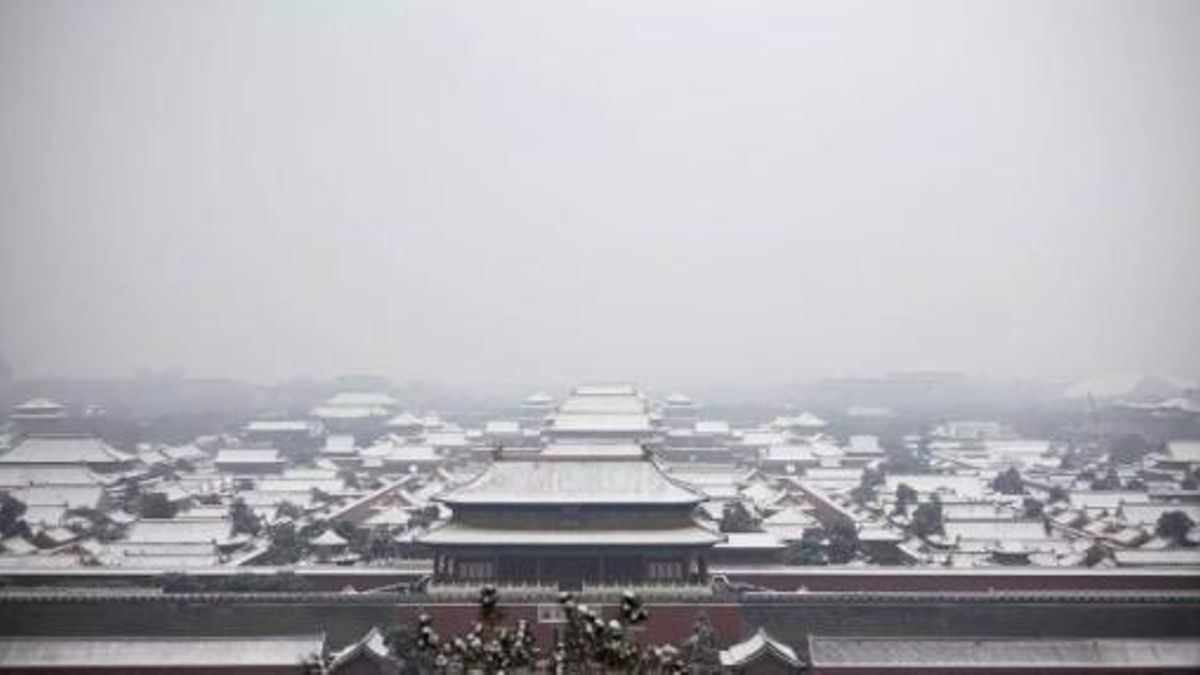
(572, 481)
(756, 646)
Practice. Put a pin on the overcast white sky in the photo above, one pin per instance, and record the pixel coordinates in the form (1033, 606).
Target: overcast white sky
(684, 191)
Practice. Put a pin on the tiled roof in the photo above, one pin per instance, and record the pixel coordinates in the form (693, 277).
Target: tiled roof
(63, 450)
(758, 646)
(248, 456)
(458, 534)
(597, 422)
(998, 652)
(571, 482)
(145, 652)
(179, 531)
(17, 475)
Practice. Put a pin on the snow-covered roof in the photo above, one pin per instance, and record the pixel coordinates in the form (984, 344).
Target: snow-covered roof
(158, 652)
(926, 652)
(45, 514)
(17, 545)
(757, 646)
(804, 420)
(605, 390)
(267, 501)
(392, 516)
(1104, 499)
(712, 427)
(960, 484)
(539, 399)
(1130, 386)
(502, 428)
(751, 540)
(372, 645)
(16, 475)
(600, 422)
(339, 444)
(792, 515)
(184, 452)
(329, 538)
(788, 453)
(571, 482)
(400, 453)
(678, 399)
(875, 411)
(404, 420)
(451, 438)
(996, 530)
(280, 426)
(608, 405)
(64, 449)
(38, 410)
(347, 413)
(249, 456)
(1184, 451)
(180, 531)
(453, 533)
(865, 445)
(761, 437)
(37, 405)
(1149, 513)
(284, 484)
(593, 450)
(1180, 557)
(71, 496)
(354, 399)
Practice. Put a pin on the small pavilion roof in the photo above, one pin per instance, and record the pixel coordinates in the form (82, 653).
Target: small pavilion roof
(757, 646)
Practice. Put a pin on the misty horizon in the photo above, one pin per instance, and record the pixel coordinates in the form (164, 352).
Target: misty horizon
(545, 193)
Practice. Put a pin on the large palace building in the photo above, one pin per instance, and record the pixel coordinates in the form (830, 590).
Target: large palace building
(572, 514)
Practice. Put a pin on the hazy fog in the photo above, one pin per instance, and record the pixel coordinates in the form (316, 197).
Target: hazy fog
(684, 191)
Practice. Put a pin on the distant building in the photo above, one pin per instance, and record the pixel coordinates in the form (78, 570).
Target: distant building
(405, 424)
(680, 411)
(972, 430)
(604, 412)
(869, 419)
(363, 414)
(250, 461)
(535, 409)
(293, 437)
(804, 424)
(39, 415)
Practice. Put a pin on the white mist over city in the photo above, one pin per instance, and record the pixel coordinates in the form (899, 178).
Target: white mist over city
(578, 337)
(678, 192)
